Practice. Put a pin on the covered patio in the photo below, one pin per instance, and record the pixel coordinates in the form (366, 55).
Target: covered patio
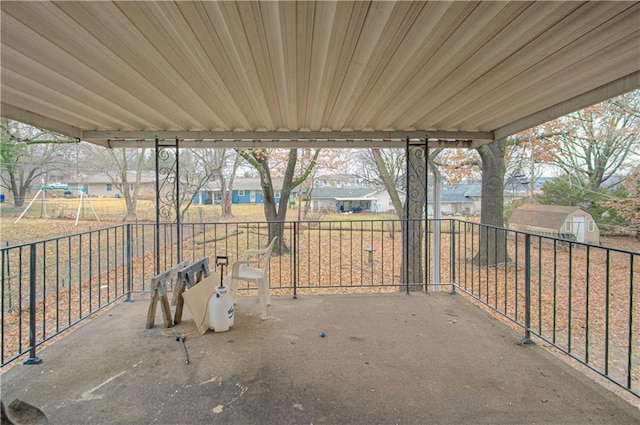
(311, 74)
(385, 359)
(171, 75)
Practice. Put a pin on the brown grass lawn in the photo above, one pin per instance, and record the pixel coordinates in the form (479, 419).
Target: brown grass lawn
(111, 211)
(62, 212)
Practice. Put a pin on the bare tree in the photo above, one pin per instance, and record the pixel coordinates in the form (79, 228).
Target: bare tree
(226, 163)
(28, 154)
(597, 142)
(197, 168)
(387, 166)
(265, 161)
(124, 168)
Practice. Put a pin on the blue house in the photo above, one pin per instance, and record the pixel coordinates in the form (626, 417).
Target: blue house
(244, 191)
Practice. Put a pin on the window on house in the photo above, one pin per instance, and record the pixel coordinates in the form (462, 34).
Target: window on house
(567, 226)
(241, 193)
(109, 187)
(591, 226)
(276, 194)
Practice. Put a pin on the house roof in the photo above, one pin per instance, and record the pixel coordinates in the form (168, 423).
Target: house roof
(310, 73)
(243, 183)
(340, 180)
(344, 193)
(98, 178)
(544, 216)
(461, 193)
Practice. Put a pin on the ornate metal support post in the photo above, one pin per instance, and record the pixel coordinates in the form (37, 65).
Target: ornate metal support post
(167, 195)
(416, 186)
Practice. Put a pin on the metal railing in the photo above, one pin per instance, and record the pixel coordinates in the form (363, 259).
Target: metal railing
(50, 285)
(577, 297)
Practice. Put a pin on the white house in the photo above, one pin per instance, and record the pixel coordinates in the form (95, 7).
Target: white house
(103, 186)
(352, 199)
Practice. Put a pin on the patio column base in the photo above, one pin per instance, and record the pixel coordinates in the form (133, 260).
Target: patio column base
(32, 360)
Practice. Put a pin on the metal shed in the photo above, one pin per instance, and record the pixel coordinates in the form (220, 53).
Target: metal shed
(560, 220)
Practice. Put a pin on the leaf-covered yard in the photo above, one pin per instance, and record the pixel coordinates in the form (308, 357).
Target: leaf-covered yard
(580, 296)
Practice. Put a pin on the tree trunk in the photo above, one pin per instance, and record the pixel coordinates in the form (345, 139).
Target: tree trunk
(227, 189)
(492, 245)
(386, 178)
(225, 200)
(276, 215)
(131, 213)
(225, 194)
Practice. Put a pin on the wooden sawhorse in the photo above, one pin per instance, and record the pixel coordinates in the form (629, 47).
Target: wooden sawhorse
(188, 276)
(159, 293)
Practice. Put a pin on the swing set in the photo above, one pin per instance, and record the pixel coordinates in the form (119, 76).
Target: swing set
(43, 190)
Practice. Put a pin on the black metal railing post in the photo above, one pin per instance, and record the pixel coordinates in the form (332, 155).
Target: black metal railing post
(33, 359)
(129, 258)
(630, 336)
(452, 260)
(405, 254)
(294, 258)
(527, 290)
(178, 201)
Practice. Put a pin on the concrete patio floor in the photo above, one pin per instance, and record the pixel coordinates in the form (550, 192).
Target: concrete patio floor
(385, 359)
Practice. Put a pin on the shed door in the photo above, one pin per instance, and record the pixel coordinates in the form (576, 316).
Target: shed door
(579, 227)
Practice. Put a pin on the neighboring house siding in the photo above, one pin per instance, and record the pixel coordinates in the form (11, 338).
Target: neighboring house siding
(382, 202)
(101, 185)
(240, 197)
(245, 191)
(350, 199)
(320, 205)
(249, 197)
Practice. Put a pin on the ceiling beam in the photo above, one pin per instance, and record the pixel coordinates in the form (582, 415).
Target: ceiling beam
(600, 94)
(289, 143)
(288, 139)
(39, 121)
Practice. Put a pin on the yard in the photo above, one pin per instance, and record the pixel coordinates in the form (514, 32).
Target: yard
(579, 296)
(111, 211)
(61, 214)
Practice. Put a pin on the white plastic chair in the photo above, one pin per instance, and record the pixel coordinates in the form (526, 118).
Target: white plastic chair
(258, 274)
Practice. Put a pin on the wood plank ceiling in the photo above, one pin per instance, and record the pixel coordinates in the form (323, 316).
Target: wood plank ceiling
(311, 73)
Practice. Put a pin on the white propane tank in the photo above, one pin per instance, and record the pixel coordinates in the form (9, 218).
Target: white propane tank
(220, 310)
